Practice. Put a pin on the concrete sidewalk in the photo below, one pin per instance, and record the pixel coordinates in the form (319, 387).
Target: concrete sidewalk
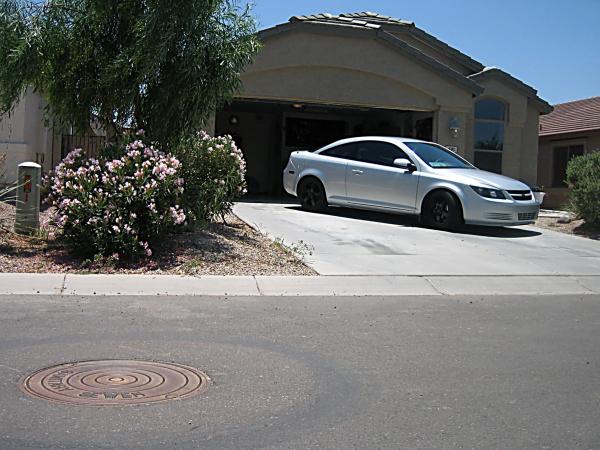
(168, 285)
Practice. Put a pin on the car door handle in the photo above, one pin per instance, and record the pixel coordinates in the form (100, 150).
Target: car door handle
(357, 171)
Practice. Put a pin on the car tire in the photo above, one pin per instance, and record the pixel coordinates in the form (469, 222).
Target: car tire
(443, 211)
(312, 195)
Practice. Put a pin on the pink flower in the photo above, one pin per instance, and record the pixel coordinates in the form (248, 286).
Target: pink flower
(177, 215)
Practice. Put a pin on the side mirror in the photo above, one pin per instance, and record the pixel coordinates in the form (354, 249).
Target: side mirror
(404, 163)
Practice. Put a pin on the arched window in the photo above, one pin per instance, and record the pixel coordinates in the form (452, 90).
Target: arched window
(490, 118)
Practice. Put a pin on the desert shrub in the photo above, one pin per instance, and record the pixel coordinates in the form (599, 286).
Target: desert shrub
(214, 171)
(117, 206)
(583, 177)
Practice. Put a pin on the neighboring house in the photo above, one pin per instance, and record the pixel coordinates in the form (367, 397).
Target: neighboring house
(572, 129)
(24, 136)
(324, 77)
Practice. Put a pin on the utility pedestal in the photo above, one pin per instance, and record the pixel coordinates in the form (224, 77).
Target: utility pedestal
(27, 219)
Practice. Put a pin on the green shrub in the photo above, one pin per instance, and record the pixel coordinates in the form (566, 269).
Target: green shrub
(583, 177)
(213, 169)
(117, 206)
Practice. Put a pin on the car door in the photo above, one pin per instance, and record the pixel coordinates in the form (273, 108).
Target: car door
(332, 164)
(373, 180)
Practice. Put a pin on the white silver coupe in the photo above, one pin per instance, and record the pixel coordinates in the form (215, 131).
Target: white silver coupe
(407, 176)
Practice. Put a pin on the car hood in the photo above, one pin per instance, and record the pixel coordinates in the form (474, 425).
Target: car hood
(487, 179)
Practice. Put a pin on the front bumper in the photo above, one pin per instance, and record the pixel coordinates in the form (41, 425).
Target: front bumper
(478, 210)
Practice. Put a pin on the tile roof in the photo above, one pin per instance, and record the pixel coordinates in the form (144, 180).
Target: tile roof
(369, 19)
(543, 106)
(572, 117)
(365, 19)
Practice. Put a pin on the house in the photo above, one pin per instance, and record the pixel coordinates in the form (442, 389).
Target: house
(572, 129)
(323, 77)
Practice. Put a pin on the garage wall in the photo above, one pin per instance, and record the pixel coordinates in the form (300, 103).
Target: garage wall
(300, 65)
(333, 85)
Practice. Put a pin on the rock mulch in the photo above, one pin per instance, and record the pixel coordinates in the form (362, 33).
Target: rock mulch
(231, 248)
(576, 227)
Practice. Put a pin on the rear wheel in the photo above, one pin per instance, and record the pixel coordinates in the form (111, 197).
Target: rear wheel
(312, 195)
(442, 210)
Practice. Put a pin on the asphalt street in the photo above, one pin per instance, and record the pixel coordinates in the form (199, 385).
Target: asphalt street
(316, 372)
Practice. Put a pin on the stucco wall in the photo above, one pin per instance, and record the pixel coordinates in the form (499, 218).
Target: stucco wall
(363, 71)
(519, 155)
(24, 136)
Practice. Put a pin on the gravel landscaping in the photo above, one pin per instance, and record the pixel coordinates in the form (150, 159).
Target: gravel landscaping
(576, 227)
(231, 248)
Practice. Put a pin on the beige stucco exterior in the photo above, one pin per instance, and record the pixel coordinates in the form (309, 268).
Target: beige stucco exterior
(24, 136)
(519, 159)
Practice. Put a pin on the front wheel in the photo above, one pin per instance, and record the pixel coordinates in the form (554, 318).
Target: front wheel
(442, 210)
(312, 195)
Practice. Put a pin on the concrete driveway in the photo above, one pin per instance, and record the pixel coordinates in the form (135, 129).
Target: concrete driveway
(349, 242)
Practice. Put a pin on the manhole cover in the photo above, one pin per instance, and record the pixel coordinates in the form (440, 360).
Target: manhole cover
(115, 382)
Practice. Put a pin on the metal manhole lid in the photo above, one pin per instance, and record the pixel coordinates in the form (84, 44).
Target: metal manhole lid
(115, 382)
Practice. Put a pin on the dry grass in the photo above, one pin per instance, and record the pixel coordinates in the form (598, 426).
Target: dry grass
(218, 249)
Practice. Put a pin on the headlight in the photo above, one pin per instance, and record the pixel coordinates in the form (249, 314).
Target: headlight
(489, 193)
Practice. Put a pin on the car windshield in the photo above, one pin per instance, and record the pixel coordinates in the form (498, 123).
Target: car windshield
(438, 157)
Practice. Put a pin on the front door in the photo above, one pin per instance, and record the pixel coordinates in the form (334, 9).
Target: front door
(373, 180)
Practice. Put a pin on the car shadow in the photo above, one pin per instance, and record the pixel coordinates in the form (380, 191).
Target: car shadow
(412, 221)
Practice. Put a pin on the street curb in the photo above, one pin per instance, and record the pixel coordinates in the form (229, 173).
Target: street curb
(244, 286)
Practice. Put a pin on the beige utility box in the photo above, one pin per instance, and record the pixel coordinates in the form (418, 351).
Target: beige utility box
(27, 219)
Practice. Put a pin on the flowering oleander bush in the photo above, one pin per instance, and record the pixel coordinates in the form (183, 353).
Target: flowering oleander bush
(118, 205)
(214, 171)
(583, 177)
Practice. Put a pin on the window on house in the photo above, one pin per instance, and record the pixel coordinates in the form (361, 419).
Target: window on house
(562, 155)
(490, 119)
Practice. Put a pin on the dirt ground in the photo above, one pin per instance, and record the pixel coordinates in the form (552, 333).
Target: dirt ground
(231, 248)
(577, 227)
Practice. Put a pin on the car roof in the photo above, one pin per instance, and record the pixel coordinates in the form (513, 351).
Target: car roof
(390, 139)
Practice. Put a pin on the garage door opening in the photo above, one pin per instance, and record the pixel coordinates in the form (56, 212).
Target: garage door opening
(268, 131)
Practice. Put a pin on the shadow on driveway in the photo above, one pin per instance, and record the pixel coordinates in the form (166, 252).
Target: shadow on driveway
(413, 221)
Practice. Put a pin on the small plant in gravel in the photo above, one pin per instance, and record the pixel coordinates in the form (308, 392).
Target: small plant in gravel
(299, 248)
(118, 205)
(583, 177)
(214, 171)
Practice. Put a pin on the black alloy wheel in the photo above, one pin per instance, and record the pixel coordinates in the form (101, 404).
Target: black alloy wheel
(442, 211)
(312, 195)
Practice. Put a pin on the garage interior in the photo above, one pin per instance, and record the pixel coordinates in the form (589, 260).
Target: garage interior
(268, 131)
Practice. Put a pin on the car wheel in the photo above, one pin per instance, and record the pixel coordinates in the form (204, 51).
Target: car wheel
(442, 210)
(312, 195)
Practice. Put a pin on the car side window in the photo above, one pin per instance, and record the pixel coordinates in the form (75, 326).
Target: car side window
(344, 151)
(381, 153)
